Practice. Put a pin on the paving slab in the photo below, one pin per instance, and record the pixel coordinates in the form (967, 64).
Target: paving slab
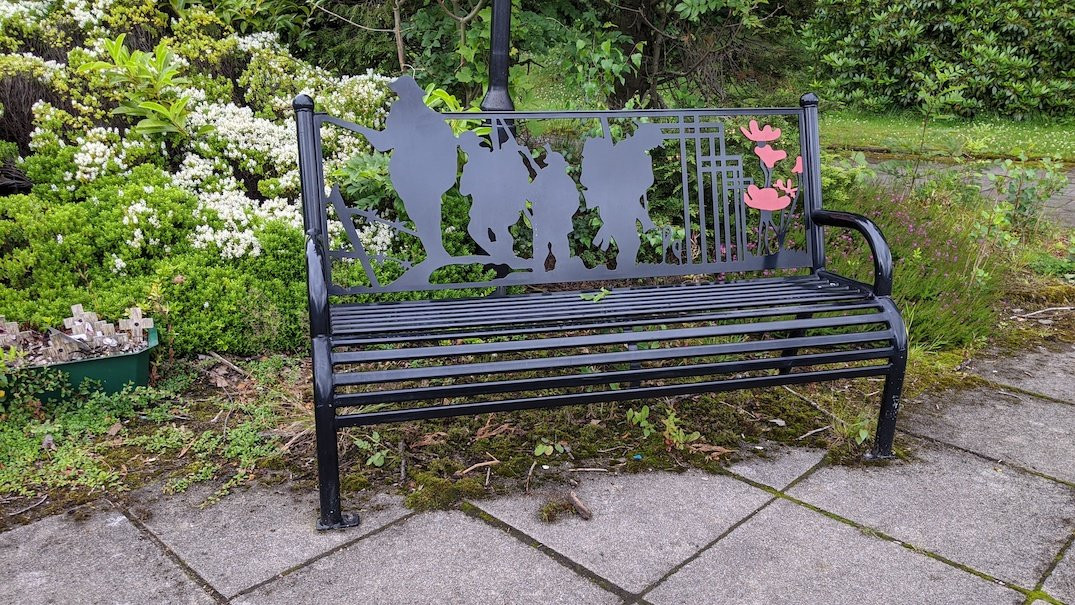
(1061, 583)
(252, 535)
(993, 518)
(100, 559)
(441, 557)
(1043, 371)
(643, 524)
(1034, 433)
(778, 466)
(788, 554)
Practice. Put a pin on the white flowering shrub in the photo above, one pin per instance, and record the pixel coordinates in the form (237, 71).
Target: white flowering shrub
(207, 217)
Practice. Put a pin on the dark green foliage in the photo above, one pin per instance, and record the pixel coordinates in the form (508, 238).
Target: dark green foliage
(1010, 56)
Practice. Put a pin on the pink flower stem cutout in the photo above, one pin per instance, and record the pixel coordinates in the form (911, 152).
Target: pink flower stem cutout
(768, 199)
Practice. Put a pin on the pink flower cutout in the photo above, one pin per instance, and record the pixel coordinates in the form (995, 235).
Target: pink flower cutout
(764, 134)
(770, 156)
(786, 187)
(765, 199)
(798, 169)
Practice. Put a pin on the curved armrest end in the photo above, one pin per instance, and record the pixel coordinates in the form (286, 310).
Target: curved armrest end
(882, 255)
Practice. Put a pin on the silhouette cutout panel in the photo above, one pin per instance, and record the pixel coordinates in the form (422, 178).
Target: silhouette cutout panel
(505, 198)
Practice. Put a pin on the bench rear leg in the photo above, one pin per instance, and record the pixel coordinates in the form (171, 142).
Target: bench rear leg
(792, 352)
(328, 459)
(893, 391)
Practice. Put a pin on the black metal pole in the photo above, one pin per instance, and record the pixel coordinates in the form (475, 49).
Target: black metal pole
(498, 98)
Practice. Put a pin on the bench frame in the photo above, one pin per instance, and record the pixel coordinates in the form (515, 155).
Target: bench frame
(320, 289)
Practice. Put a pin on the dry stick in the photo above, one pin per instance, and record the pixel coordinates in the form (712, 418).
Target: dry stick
(580, 508)
(815, 405)
(402, 463)
(528, 475)
(30, 508)
(231, 365)
(298, 436)
(587, 470)
(475, 467)
(488, 476)
(1025, 315)
(805, 435)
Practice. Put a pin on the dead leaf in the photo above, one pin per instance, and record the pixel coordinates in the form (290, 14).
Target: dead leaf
(429, 439)
(115, 429)
(487, 433)
(778, 422)
(48, 443)
(713, 452)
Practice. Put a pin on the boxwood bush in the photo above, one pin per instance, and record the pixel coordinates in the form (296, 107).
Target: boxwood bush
(1015, 57)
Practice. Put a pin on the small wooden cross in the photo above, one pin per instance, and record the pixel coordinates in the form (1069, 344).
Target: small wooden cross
(62, 345)
(136, 324)
(104, 334)
(80, 322)
(9, 332)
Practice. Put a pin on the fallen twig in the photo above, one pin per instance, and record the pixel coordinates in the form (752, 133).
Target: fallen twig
(291, 442)
(231, 365)
(529, 474)
(580, 508)
(1040, 311)
(587, 470)
(813, 432)
(814, 404)
(475, 467)
(29, 508)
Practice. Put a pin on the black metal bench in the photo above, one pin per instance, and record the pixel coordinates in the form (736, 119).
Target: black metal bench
(652, 333)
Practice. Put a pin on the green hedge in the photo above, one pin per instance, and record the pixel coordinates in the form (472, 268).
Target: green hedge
(1014, 57)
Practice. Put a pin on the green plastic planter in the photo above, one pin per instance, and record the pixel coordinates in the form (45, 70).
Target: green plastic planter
(113, 372)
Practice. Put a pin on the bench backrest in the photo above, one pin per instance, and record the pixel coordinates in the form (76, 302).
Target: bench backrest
(520, 198)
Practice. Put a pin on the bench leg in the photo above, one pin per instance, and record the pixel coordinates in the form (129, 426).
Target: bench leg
(890, 396)
(328, 460)
(794, 334)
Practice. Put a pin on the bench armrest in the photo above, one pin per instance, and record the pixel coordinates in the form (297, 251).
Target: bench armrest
(317, 285)
(882, 256)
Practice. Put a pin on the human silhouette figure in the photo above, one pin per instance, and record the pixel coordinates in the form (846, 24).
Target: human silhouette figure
(555, 199)
(496, 179)
(616, 178)
(424, 161)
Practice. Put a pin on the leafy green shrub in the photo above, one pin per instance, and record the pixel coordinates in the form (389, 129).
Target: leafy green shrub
(1011, 56)
(166, 178)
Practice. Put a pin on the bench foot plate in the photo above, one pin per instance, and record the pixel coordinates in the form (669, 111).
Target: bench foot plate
(877, 457)
(347, 520)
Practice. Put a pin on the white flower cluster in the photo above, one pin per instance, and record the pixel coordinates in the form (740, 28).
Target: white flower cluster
(254, 144)
(258, 41)
(219, 194)
(86, 13)
(31, 9)
(140, 215)
(32, 65)
(97, 150)
(376, 238)
(117, 264)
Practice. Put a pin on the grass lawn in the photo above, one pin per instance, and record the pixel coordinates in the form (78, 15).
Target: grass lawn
(986, 137)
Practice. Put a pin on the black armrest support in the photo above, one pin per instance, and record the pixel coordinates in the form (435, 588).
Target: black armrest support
(317, 286)
(882, 256)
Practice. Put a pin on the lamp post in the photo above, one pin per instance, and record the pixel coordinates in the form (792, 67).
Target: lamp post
(498, 98)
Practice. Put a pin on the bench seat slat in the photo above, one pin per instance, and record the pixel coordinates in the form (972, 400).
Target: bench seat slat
(486, 407)
(375, 308)
(604, 378)
(621, 297)
(588, 359)
(656, 317)
(617, 338)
